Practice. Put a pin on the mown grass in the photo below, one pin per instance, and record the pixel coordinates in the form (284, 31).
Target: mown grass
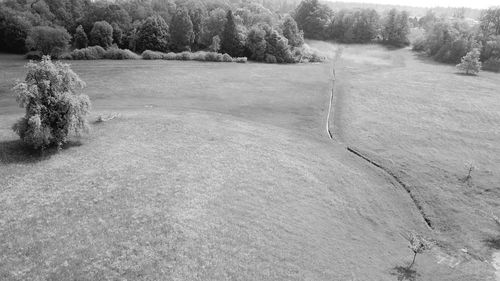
(212, 172)
(426, 123)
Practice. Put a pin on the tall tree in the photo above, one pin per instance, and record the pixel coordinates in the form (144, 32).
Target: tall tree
(213, 25)
(292, 33)
(312, 17)
(181, 31)
(80, 38)
(101, 34)
(231, 41)
(396, 28)
(152, 35)
(197, 14)
(48, 40)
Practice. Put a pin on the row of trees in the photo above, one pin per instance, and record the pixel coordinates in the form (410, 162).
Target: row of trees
(49, 26)
(449, 39)
(318, 21)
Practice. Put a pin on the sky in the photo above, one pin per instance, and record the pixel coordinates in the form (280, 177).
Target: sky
(478, 4)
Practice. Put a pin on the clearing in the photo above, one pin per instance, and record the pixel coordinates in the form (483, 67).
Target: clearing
(213, 171)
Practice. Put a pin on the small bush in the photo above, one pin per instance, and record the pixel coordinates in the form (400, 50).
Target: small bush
(419, 45)
(66, 56)
(270, 59)
(152, 55)
(89, 53)
(184, 56)
(54, 108)
(120, 54)
(34, 55)
(240, 60)
(227, 58)
(170, 56)
(198, 56)
(492, 64)
(213, 56)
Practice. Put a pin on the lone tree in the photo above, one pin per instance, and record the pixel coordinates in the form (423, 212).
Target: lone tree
(101, 34)
(81, 40)
(470, 63)
(54, 108)
(418, 245)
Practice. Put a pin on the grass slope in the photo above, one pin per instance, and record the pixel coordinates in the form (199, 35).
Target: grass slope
(212, 172)
(425, 122)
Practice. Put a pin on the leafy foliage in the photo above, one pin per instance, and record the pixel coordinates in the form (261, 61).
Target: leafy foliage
(54, 108)
(181, 29)
(13, 31)
(80, 38)
(101, 34)
(152, 35)
(48, 40)
(354, 26)
(396, 28)
(292, 33)
(312, 17)
(231, 42)
(89, 53)
(470, 63)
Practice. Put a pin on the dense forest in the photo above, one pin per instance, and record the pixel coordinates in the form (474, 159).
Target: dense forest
(269, 30)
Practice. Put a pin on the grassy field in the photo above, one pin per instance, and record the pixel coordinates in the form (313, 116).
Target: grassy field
(211, 172)
(426, 123)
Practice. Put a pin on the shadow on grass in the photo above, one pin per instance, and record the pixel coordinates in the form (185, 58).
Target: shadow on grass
(403, 273)
(493, 242)
(15, 152)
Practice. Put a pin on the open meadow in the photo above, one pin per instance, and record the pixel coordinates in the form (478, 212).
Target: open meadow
(222, 171)
(428, 125)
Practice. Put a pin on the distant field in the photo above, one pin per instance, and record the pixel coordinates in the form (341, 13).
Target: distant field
(426, 123)
(212, 172)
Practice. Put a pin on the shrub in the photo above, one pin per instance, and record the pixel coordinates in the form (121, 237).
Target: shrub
(492, 64)
(120, 54)
(184, 56)
(48, 40)
(212, 56)
(470, 62)
(170, 56)
(34, 55)
(66, 56)
(227, 58)
(54, 109)
(89, 53)
(152, 55)
(270, 59)
(240, 60)
(199, 56)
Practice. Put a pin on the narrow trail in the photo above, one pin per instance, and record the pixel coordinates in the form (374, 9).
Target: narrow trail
(359, 154)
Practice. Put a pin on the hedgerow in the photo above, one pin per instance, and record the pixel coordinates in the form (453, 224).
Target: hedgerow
(197, 56)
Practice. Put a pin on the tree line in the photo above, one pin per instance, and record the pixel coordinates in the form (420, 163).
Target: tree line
(245, 28)
(320, 22)
(449, 39)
